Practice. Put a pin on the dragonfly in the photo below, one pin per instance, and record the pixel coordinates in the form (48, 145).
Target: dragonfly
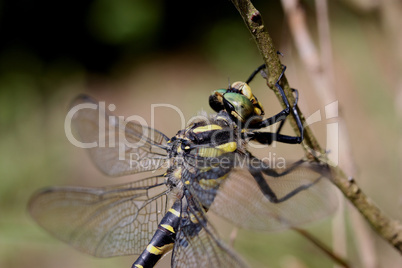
(205, 167)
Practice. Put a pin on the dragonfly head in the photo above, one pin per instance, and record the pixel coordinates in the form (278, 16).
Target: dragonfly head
(238, 101)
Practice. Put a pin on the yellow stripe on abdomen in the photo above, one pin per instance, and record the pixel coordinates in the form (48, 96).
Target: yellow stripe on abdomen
(174, 212)
(168, 227)
(159, 250)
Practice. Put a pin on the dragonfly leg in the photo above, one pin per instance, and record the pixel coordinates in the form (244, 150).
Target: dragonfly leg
(253, 74)
(270, 194)
(269, 137)
(266, 189)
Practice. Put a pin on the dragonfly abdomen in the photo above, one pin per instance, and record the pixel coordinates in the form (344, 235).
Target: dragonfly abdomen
(163, 240)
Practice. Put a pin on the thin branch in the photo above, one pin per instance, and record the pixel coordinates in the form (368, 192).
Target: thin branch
(387, 228)
(253, 20)
(337, 259)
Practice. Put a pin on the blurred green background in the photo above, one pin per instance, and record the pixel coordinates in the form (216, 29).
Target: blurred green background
(136, 53)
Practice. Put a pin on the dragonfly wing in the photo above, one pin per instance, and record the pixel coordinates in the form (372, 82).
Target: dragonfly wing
(298, 194)
(103, 222)
(247, 206)
(197, 245)
(122, 147)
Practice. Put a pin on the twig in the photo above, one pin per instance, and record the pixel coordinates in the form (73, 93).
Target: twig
(387, 228)
(323, 247)
(253, 20)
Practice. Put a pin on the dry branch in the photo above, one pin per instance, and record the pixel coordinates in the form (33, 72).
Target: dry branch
(387, 228)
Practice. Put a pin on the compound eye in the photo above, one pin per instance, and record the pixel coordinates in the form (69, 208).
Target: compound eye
(220, 91)
(240, 106)
(243, 88)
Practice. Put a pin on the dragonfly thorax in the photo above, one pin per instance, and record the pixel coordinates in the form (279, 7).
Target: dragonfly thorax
(207, 138)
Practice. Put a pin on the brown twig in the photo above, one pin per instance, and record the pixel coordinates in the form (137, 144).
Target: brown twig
(387, 228)
(253, 20)
(323, 247)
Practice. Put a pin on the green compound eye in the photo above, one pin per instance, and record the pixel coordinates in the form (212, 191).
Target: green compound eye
(242, 106)
(245, 90)
(221, 91)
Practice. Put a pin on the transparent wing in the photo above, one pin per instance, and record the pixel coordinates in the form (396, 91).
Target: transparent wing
(122, 147)
(282, 197)
(302, 191)
(197, 245)
(103, 222)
